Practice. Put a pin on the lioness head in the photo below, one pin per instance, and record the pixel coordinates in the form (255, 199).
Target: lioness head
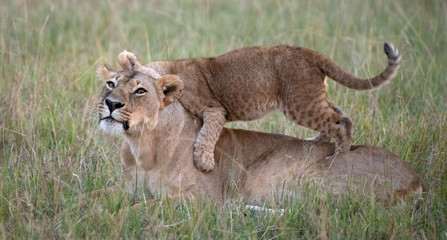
(130, 100)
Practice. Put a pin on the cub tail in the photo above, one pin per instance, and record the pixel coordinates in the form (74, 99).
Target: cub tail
(333, 71)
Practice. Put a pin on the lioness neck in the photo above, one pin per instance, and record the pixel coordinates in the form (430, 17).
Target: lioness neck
(151, 145)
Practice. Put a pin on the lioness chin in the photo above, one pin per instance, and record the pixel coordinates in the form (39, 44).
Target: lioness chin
(247, 83)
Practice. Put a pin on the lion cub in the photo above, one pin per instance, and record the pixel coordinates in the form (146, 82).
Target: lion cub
(247, 83)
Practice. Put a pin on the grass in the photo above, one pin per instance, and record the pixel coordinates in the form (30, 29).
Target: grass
(52, 154)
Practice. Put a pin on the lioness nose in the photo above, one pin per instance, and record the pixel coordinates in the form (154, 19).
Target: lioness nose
(113, 105)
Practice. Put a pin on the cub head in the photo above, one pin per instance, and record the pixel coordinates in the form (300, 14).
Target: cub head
(130, 100)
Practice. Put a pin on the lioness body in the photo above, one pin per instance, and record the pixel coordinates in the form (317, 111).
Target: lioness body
(158, 146)
(248, 83)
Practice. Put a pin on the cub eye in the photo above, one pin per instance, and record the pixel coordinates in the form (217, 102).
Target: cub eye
(110, 84)
(140, 91)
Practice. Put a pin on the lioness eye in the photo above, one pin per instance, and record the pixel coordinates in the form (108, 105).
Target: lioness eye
(110, 84)
(140, 91)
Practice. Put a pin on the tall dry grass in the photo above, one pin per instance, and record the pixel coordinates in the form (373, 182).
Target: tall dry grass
(52, 155)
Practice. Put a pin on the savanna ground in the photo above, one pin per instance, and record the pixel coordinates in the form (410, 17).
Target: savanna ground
(52, 155)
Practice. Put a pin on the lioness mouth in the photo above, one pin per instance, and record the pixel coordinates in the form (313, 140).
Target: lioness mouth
(109, 118)
(125, 125)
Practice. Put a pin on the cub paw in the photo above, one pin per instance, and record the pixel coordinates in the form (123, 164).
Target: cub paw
(203, 161)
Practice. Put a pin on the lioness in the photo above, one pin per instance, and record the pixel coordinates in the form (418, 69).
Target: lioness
(246, 84)
(159, 134)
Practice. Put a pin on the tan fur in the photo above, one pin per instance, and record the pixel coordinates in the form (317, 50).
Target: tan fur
(248, 83)
(158, 148)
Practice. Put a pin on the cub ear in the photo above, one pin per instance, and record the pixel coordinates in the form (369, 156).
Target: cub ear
(170, 87)
(128, 61)
(105, 72)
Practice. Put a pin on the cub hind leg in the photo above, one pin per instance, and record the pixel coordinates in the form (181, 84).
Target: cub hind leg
(327, 119)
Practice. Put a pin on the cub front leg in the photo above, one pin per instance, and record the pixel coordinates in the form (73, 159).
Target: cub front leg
(213, 122)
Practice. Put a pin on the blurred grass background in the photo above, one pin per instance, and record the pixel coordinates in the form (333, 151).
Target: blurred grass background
(52, 154)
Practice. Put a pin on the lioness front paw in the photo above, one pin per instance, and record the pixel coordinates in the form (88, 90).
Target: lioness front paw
(203, 161)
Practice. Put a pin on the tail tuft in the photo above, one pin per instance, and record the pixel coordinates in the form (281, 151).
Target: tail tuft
(391, 51)
(346, 79)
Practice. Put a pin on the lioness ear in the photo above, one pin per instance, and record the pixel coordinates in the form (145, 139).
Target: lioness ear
(170, 87)
(105, 72)
(128, 61)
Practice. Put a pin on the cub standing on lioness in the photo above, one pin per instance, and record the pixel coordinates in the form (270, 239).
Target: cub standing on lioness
(247, 83)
